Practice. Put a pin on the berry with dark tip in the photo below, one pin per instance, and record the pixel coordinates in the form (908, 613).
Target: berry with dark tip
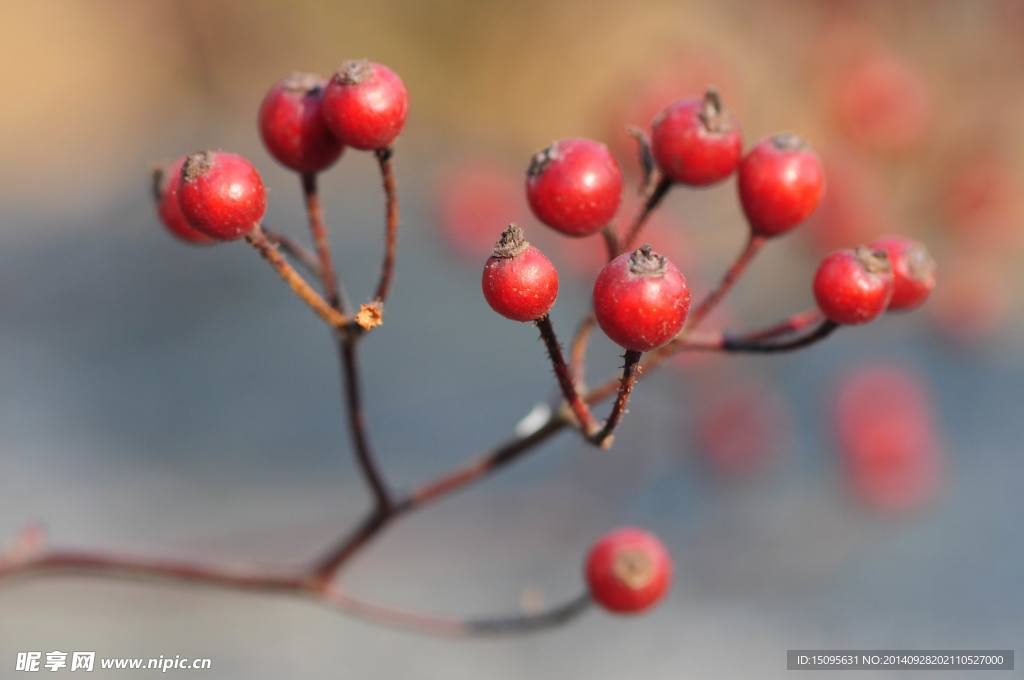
(780, 184)
(519, 281)
(641, 300)
(365, 105)
(221, 194)
(574, 186)
(292, 125)
(697, 142)
(854, 286)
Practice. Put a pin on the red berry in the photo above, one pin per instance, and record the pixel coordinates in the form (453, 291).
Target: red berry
(781, 183)
(365, 105)
(885, 427)
(628, 570)
(166, 182)
(854, 286)
(641, 300)
(293, 128)
(574, 186)
(696, 141)
(221, 194)
(913, 271)
(519, 282)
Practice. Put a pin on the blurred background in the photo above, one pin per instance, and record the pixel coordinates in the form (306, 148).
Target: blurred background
(176, 401)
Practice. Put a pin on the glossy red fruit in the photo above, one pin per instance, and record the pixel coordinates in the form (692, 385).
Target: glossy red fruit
(292, 127)
(519, 282)
(221, 194)
(166, 181)
(574, 186)
(696, 141)
(913, 271)
(628, 570)
(854, 286)
(365, 105)
(641, 300)
(887, 437)
(780, 184)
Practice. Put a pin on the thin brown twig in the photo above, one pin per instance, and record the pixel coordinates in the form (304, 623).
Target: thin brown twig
(349, 350)
(792, 324)
(585, 420)
(630, 372)
(294, 250)
(578, 351)
(298, 582)
(387, 269)
(650, 205)
(732, 275)
(318, 231)
(306, 293)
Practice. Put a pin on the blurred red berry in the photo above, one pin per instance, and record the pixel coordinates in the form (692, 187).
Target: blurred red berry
(628, 571)
(641, 300)
(983, 202)
(365, 105)
(780, 184)
(854, 286)
(696, 141)
(166, 182)
(292, 126)
(574, 186)
(221, 194)
(519, 282)
(739, 428)
(881, 102)
(472, 195)
(886, 432)
(913, 271)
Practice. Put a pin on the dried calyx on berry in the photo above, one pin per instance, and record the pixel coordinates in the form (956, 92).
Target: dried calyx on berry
(519, 282)
(712, 113)
(354, 71)
(645, 262)
(542, 159)
(512, 242)
(789, 141)
(874, 260)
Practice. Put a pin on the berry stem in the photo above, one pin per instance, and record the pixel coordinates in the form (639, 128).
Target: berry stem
(611, 241)
(630, 372)
(259, 240)
(314, 212)
(650, 205)
(584, 418)
(756, 343)
(299, 582)
(578, 350)
(732, 275)
(348, 347)
(387, 269)
(294, 250)
(792, 324)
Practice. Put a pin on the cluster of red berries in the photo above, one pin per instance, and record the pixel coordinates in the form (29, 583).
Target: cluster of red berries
(305, 123)
(640, 299)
